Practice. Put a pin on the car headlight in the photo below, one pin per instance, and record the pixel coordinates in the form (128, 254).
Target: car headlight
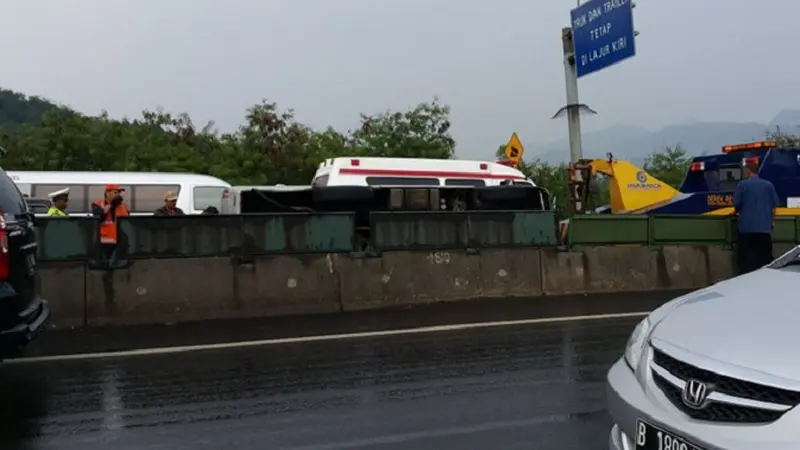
(635, 346)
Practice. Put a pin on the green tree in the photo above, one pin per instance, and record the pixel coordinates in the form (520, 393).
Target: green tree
(330, 143)
(420, 132)
(783, 138)
(270, 147)
(669, 165)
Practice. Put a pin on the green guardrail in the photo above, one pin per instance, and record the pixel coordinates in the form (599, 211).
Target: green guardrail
(141, 237)
(67, 238)
(76, 238)
(676, 229)
(461, 230)
(244, 235)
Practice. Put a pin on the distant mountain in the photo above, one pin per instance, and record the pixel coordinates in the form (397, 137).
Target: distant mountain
(636, 143)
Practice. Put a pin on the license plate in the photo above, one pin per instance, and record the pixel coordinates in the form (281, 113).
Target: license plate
(649, 437)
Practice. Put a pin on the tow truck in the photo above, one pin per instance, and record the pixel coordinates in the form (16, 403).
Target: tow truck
(707, 188)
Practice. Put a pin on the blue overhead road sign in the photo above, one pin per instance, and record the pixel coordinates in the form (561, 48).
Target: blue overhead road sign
(602, 31)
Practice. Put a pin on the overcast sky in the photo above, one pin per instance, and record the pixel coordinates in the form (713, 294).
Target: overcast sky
(496, 63)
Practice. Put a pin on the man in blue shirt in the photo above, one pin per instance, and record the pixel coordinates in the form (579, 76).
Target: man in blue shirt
(755, 201)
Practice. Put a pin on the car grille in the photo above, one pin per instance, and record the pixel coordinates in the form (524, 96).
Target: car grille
(719, 411)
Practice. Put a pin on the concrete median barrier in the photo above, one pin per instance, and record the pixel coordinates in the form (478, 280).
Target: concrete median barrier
(161, 291)
(563, 272)
(721, 264)
(685, 267)
(600, 269)
(634, 269)
(64, 287)
(511, 273)
(155, 291)
(620, 269)
(409, 278)
(286, 285)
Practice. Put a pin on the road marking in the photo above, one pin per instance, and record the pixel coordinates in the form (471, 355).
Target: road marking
(325, 337)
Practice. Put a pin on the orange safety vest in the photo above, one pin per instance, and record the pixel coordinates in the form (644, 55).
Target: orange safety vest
(108, 226)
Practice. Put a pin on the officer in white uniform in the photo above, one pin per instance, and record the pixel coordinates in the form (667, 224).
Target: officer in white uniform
(59, 199)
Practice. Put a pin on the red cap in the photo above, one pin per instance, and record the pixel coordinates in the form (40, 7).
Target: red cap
(114, 187)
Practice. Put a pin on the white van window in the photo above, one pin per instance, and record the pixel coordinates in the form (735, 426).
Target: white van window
(25, 188)
(464, 182)
(205, 196)
(321, 181)
(77, 195)
(147, 198)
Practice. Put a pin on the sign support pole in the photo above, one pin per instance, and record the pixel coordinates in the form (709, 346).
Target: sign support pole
(573, 110)
(601, 34)
(573, 106)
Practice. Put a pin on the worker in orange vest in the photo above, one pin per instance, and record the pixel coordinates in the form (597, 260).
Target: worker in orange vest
(109, 210)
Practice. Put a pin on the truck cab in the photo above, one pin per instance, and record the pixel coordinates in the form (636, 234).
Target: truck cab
(711, 179)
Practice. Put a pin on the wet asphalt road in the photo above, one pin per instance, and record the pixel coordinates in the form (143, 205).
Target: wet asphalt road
(537, 386)
(529, 387)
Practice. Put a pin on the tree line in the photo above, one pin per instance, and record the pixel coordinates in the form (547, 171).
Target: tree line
(270, 147)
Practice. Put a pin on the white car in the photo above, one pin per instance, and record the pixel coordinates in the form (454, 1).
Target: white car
(714, 369)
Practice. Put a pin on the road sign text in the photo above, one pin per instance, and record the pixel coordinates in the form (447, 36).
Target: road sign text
(603, 34)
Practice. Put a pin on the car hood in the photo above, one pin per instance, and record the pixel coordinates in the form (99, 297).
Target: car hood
(751, 322)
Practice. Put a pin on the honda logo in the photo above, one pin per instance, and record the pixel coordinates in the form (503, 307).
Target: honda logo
(695, 394)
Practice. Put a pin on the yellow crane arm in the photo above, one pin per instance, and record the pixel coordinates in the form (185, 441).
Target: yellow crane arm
(632, 189)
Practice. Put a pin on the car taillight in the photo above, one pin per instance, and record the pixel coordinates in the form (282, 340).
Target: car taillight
(3, 248)
(226, 193)
(697, 167)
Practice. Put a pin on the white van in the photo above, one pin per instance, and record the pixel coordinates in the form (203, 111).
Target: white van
(144, 191)
(415, 172)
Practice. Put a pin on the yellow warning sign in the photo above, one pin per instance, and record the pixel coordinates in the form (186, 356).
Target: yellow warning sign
(514, 149)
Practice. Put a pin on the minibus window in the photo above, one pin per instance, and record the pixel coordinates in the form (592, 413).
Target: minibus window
(78, 203)
(147, 198)
(205, 196)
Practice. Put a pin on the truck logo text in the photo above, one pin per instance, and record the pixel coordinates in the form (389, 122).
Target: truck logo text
(719, 200)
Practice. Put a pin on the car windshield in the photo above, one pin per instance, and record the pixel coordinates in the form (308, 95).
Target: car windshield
(790, 258)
